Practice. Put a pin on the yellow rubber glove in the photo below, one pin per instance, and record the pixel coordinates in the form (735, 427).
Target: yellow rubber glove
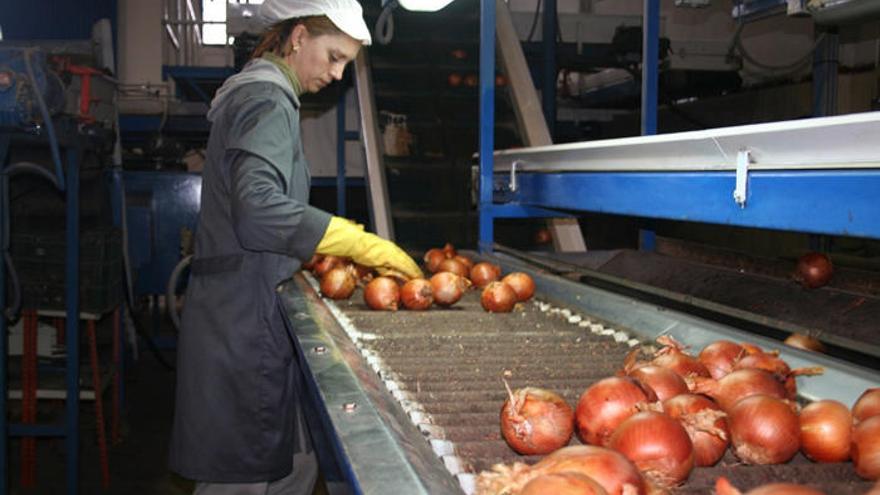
(344, 238)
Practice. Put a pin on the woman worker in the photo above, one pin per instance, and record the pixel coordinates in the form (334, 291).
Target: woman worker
(238, 426)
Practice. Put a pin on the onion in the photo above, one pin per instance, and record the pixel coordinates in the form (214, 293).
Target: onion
(326, 264)
(454, 266)
(536, 421)
(566, 483)
(449, 250)
(658, 445)
(813, 270)
(483, 273)
(498, 297)
(464, 260)
(522, 284)
(705, 423)
(471, 80)
(308, 265)
(723, 487)
(720, 356)
(738, 385)
(663, 381)
(683, 364)
(339, 282)
(542, 236)
(417, 294)
(753, 349)
(382, 293)
(773, 364)
(500, 80)
(805, 342)
(866, 448)
(607, 403)
(826, 430)
(608, 468)
(764, 430)
(454, 79)
(447, 288)
(364, 273)
(867, 405)
(433, 258)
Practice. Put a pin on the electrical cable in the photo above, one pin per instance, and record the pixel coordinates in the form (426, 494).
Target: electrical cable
(383, 32)
(534, 21)
(737, 45)
(47, 119)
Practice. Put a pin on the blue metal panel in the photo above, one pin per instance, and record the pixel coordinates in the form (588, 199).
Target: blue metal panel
(159, 205)
(822, 202)
(487, 119)
(54, 19)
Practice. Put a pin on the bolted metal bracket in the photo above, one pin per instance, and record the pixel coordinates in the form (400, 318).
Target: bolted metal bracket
(743, 158)
(512, 184)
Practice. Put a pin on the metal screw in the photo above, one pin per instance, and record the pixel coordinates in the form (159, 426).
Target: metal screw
(349, 407)
(319, 349)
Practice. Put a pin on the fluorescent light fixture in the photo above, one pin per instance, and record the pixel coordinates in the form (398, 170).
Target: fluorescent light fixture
(424, 5)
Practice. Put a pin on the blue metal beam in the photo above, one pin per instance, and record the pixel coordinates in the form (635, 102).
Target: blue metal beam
(487, 120)
(822, 202)
(650, 65)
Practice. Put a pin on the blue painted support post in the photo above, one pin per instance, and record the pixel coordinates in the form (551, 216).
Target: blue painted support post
(4, 247)
(548, 86)
(71, 298)
(650, 67)
(487, 121)
(340, 155)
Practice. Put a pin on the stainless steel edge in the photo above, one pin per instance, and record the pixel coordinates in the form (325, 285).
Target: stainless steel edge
(379, 446)
(841, 381)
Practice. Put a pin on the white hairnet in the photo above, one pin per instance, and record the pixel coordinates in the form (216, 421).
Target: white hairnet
(347, 15)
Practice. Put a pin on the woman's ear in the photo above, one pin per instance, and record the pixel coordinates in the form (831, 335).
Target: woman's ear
(297, 36)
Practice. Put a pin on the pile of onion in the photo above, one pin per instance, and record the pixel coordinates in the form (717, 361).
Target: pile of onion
(447, 288)
(522, 284)
(382, 293)
(536, 421)
(813, 270)
(658, 445)
(720, 356)
(764, 430)
(416, 294)
(498, 297)
(484, 273)
(339, 283)
(867, 405)
(723, 487)
(866, 448)
(826, 431)
(705, 423)
(606, 404)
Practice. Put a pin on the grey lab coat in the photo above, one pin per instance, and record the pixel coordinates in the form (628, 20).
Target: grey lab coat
(237, 371)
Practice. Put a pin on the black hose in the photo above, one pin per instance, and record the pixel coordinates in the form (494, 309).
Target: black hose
(47, 119)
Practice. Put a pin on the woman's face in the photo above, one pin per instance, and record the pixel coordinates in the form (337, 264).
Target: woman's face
(318, 60)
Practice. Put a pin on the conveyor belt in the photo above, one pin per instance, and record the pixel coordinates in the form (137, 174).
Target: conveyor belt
(445, 368)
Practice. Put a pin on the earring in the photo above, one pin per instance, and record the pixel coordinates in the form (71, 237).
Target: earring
(295, 48)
